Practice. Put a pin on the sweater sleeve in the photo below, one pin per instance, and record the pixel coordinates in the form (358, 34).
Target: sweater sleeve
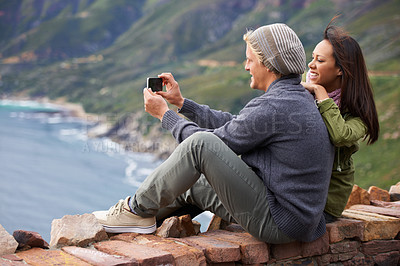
(242, 133)
(342, 132)
(203, 115)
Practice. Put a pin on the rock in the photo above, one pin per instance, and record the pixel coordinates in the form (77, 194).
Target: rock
(8, 244)
(183, 254)
(358, 196)
(169, 228)
(379, 210)
(376, 247)
(345, 229)
(392, 205)
(196, 226)
(30, 239)
(137, 254)
(176, 227)
(215, 250)
(394, 192)
(96, 257)
(391, 258)
(319, 246)
(186, 226)
(252, 250)
(217, 223)
(76, 230)
(38, 256)
(375, 226)
(376, 193)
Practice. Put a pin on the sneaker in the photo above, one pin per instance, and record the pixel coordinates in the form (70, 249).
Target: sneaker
(120, 219)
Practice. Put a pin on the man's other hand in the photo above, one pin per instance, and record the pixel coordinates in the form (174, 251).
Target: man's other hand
(154, 104)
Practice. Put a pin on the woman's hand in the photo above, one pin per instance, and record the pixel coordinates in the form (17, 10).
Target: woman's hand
(173, 94)
(154, 104)
(318, 90)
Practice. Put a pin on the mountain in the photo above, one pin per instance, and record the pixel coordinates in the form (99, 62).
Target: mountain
(99, 53)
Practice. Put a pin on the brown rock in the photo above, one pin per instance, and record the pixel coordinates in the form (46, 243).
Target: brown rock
(394, 192)
(377, 210)
(141, 254)
(317, 247)
(345, 229)
(252, 250)
(11, 257)
(359, 259)
(177, 227)
(298, 249)
(376, 193)
(76, 230)
(215, 250)
(11, 260)
(29, 238)
(183, 254)
(380, 246)
(186, 226)
(128, 237)
(196, 227)
(392, 205)
(217, 223)
(8, 244)
(375, 226)
(38, 256)
(328, 258)
(169, 228)
(391, 258)
(358, 196)
(344, 246)
(285, 251)
(96, 257)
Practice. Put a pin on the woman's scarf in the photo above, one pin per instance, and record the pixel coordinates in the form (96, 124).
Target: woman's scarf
(335, 96)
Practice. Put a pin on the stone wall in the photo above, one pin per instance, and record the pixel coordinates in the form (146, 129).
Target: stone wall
(367, 234)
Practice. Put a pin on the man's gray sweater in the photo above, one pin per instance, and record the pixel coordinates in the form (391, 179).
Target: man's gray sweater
(282, 136)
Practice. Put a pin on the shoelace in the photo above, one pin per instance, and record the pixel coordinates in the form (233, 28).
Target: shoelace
(117, 208)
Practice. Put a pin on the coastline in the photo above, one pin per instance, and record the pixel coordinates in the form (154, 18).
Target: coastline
(126, 131)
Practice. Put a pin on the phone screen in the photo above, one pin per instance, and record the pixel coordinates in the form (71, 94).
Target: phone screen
(155, 84)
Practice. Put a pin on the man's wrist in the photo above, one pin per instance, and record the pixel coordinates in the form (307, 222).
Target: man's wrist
(180, 103)
(162, 114)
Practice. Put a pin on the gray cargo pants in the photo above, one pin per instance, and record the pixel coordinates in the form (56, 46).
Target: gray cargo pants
(204, 174)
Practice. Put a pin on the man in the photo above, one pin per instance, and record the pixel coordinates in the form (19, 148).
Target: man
(276, 188)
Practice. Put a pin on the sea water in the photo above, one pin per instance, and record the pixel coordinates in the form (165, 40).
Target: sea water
(49, 168)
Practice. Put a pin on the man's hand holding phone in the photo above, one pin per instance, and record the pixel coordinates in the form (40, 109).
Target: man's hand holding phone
(173, 93)
(154, 104)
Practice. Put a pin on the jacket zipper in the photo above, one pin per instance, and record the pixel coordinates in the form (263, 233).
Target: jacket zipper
(339, 169)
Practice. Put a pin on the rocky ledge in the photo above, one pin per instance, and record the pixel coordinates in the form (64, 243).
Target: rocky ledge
(368, 233)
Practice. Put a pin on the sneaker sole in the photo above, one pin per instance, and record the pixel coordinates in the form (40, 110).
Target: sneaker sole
(130, 229)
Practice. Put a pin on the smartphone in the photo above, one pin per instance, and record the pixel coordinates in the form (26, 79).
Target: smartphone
(155, 84)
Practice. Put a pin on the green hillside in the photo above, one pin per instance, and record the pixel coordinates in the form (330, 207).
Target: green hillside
(99, 53)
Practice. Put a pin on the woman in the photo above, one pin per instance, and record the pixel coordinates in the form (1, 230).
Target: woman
(338, 78)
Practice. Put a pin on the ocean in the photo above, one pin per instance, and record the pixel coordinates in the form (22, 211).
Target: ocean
(50, 168)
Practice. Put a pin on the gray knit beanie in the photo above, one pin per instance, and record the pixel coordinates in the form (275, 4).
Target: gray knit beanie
(279, 48)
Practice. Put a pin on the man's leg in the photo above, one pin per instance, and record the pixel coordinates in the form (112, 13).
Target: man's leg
(233, 189)
(200, 197)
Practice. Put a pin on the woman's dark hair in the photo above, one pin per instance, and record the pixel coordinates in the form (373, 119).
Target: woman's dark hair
(356, 94)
